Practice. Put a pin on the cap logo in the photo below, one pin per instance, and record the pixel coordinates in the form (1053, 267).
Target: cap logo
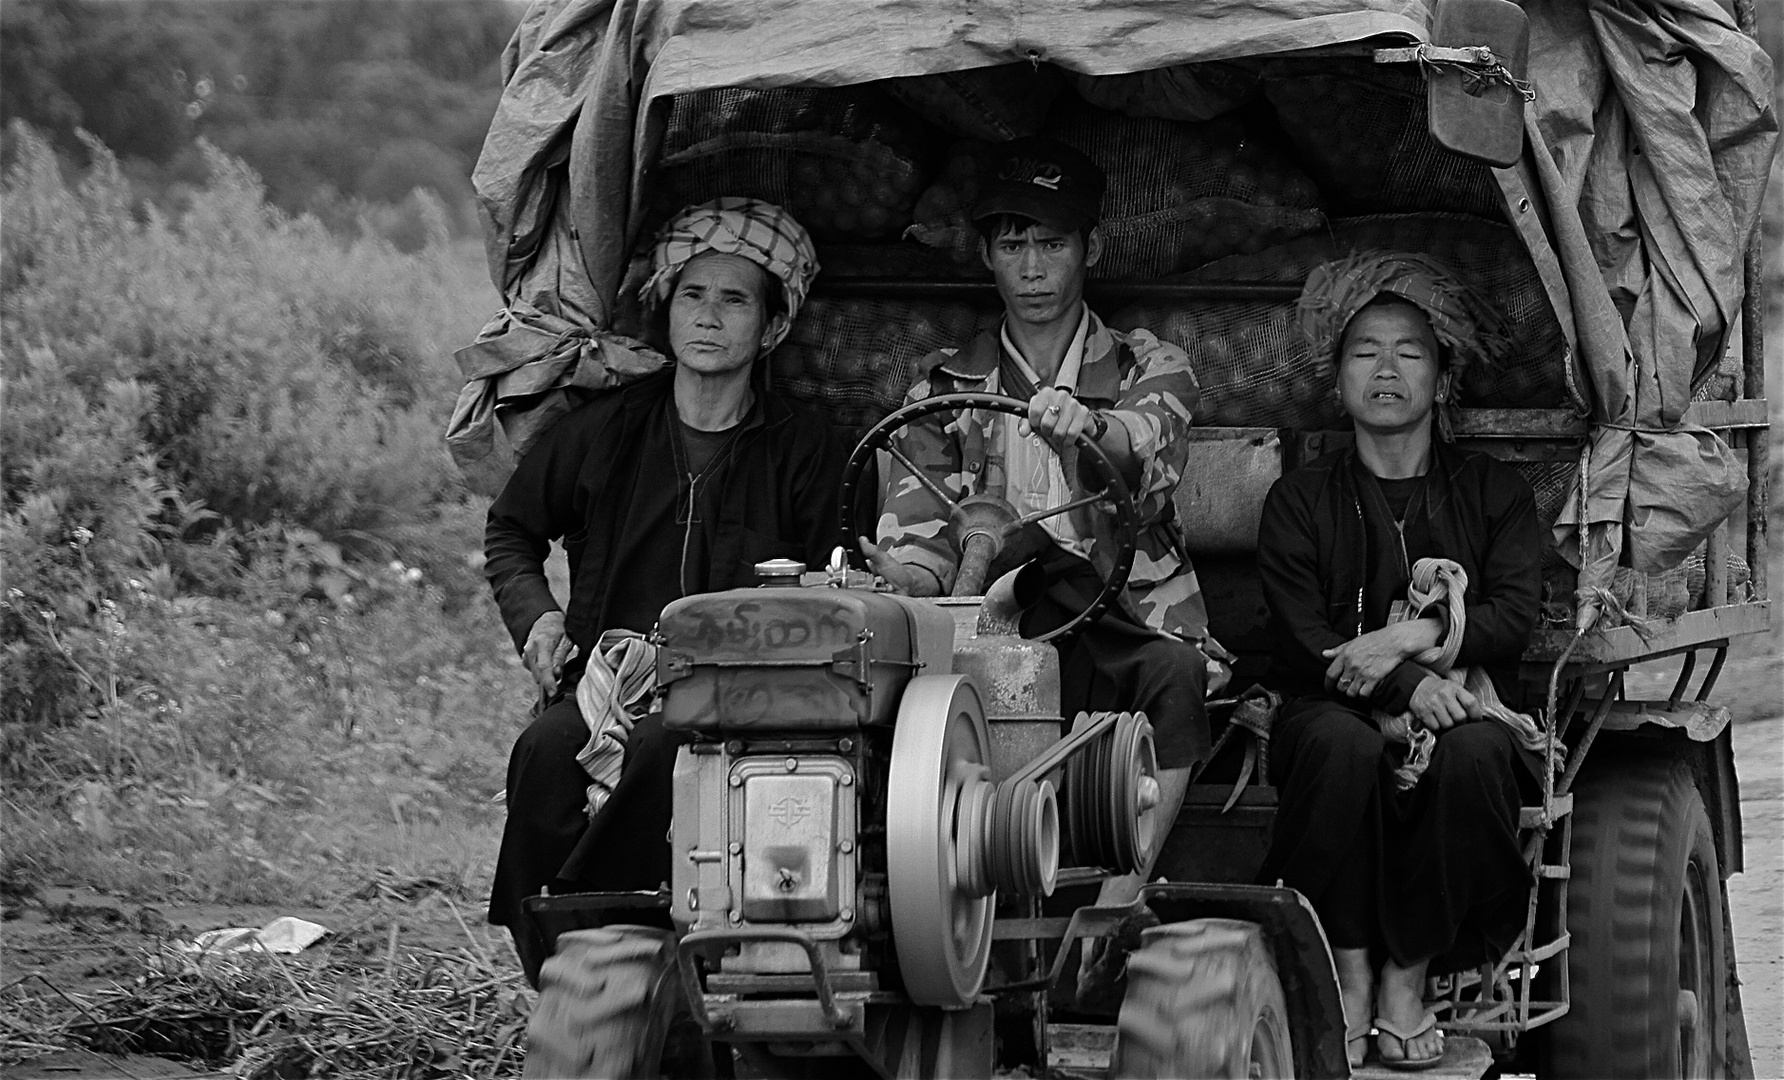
(1032, 171)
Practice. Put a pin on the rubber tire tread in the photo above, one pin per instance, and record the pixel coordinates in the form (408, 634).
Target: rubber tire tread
(605, 996)
(1638, 821)
(1195, 991)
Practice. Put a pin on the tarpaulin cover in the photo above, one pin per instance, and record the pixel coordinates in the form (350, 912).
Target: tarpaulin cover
(1650, 139)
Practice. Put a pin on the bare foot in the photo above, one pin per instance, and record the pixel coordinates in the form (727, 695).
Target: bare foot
(1356, 987)
(1400, 1003)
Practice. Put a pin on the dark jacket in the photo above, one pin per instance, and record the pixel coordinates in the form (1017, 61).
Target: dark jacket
(775, 497)
(1322, 564)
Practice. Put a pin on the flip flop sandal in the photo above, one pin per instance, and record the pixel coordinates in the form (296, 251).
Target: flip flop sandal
(1394, 1031)
(1358, 1032)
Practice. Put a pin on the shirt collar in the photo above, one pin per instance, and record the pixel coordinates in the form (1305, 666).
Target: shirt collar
(1066, 378)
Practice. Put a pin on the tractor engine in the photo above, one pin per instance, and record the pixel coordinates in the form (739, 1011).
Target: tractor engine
(867, 778)
(780, 798)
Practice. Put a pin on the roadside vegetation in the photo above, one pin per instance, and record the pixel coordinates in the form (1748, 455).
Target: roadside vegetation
(244, 642)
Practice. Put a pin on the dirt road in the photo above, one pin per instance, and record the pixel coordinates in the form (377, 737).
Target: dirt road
(1757, 895)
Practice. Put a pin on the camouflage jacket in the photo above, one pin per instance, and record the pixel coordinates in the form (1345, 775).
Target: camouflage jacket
(1144, 384)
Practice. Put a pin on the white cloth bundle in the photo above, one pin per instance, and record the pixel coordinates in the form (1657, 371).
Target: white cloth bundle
(614, 690)
(1434, 583)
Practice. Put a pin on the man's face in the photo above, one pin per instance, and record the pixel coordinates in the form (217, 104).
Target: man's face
(1040, 271)
(717, 313)
(1388, 368)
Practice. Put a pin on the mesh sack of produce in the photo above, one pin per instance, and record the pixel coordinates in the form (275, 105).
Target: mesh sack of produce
(1738, 573)
(992, 104)
(1360, 129)
(1552, 484)
(940, 216)
(895, 260)
(1256, 368)
(854, 359)
(1184, 92)
(847, 162)
(1181, 194)
(1532, 374)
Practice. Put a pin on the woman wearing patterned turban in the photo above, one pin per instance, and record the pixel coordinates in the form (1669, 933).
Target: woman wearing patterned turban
(676, 484)
(1408, 879)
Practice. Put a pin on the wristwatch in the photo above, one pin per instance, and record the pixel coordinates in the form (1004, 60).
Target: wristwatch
(1099, 425)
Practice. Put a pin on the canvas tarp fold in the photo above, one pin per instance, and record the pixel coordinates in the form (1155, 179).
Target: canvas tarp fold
(1653, 123)
(1651, 137)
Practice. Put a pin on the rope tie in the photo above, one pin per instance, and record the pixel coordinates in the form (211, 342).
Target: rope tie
(613, 692)
(1476, 64)
(1434, 583)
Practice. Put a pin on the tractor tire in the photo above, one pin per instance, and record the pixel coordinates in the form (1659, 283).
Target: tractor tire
(609, 1004)
(1646, 964)
(1204, 1000)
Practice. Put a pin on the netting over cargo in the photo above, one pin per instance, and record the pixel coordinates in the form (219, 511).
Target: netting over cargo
(1241, 197)
(847, 162)
(1361, 130)
(1257, 369)
(1180, 193)
(855, 359)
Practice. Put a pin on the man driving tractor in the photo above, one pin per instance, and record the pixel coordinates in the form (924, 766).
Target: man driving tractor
(1130, 392)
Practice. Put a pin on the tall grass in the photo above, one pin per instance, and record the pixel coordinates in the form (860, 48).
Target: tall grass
(244, 652)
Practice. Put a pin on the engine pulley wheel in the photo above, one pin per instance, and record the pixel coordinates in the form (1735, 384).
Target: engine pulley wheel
(1087, 800)
(941, 930)
(1112, 795)
(1134, 766)
(972, 831)
(1025, 837)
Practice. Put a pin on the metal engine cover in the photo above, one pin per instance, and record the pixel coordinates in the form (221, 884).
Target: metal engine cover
(789, 817)
(794, 659)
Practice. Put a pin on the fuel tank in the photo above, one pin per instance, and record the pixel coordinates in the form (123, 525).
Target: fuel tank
(793, 659)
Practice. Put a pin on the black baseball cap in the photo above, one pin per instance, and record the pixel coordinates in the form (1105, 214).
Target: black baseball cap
(1043, 179)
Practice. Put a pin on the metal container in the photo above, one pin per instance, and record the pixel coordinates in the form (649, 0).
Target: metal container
(795, 659)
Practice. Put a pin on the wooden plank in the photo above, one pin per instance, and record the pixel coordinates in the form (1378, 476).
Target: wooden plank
(1079, 1046)
(1622, 645)
(1529, 817)
(1523, 449)
(1567, 424)
(1518, 423)
(1464, 1058)
(1721, 415)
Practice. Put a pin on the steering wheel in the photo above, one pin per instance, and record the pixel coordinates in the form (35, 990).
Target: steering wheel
(999, 529)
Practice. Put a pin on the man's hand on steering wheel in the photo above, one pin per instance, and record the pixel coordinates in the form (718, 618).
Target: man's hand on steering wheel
(983, 522)
(1059, 418)
(905, 579)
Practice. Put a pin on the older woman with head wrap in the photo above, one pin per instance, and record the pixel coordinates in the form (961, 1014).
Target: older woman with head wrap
(1403, 875)
(676, 484)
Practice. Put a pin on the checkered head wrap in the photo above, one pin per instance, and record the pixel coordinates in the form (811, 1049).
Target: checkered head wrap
(1462, 317)
(759, 231)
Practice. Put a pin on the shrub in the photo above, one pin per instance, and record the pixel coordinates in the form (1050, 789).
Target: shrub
(238, 600)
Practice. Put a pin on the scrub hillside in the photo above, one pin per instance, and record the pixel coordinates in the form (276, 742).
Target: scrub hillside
(246, 650)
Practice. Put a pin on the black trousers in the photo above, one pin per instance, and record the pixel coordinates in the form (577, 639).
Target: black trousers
(1435, 873)
(549, 841)
(1116, 663)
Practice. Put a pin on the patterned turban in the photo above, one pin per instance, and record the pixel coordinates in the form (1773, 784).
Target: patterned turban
(1462, 317)
(759, 231)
